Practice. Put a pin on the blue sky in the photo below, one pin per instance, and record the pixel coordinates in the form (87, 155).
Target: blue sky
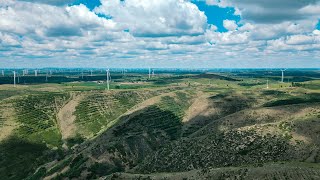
(91, 4)
(160, 33)
(216, 14)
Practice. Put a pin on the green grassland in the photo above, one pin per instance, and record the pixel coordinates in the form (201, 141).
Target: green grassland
(173, 126)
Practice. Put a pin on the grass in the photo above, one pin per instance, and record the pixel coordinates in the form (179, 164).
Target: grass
(2, 121)
(311, 98)
(165, 116)
(18, 158)
(217, 150)
(32, 142)
(98, 110)
(37, 117)
(59, 167)
(153, 139)
(152, 120)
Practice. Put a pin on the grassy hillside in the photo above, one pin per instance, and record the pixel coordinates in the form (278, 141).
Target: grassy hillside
(97, 110)
(215, 126)
(35, 139)
(268, 171)
(134, 137)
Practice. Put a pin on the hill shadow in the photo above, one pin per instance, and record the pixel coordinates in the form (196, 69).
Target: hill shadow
(20, 158)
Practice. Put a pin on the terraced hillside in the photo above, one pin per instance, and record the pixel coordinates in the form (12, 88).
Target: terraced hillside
(36, 115)
(35, 126)
(97, 110)
(134, 137)
(33, 132)
(237, 130)
(202, 127)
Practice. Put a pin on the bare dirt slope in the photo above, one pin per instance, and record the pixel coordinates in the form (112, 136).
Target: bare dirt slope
(66, 117)
(200, 106)
(7, 116)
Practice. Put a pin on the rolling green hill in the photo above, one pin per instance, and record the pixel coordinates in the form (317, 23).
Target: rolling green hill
(207, 126)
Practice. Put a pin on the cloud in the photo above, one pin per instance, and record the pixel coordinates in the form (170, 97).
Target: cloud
(272, 11)
(302, 40)
(275, 31)
(163, 32)
(154, 18)
(9, 40)
(230, 25)
(50, 21)
(51, 2)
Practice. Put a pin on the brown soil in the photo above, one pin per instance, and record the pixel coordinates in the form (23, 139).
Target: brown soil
(66, 117)
(200, 106)
(7, 112)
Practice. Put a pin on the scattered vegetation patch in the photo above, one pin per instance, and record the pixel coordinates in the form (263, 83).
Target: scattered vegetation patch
(294, 100)
(272, 92)
(78, 139)
(216, 76)
(250, 84)
(231, 148)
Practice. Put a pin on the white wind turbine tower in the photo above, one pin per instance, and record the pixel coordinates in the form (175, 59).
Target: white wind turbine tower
(35, 73)
(149, 73)
(152, 72)
(108, 79)
(267, 83)
(2, 72)
(14, 78)
(24, 72)
(282, 73)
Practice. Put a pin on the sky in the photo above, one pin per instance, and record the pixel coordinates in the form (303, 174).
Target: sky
(160, 33)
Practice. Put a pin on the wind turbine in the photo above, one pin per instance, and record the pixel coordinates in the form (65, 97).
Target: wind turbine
(35, 73)
(14, 78)
(108, 79)
(149, 73)
(267, 83)
(24, 72)
(282, 72)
